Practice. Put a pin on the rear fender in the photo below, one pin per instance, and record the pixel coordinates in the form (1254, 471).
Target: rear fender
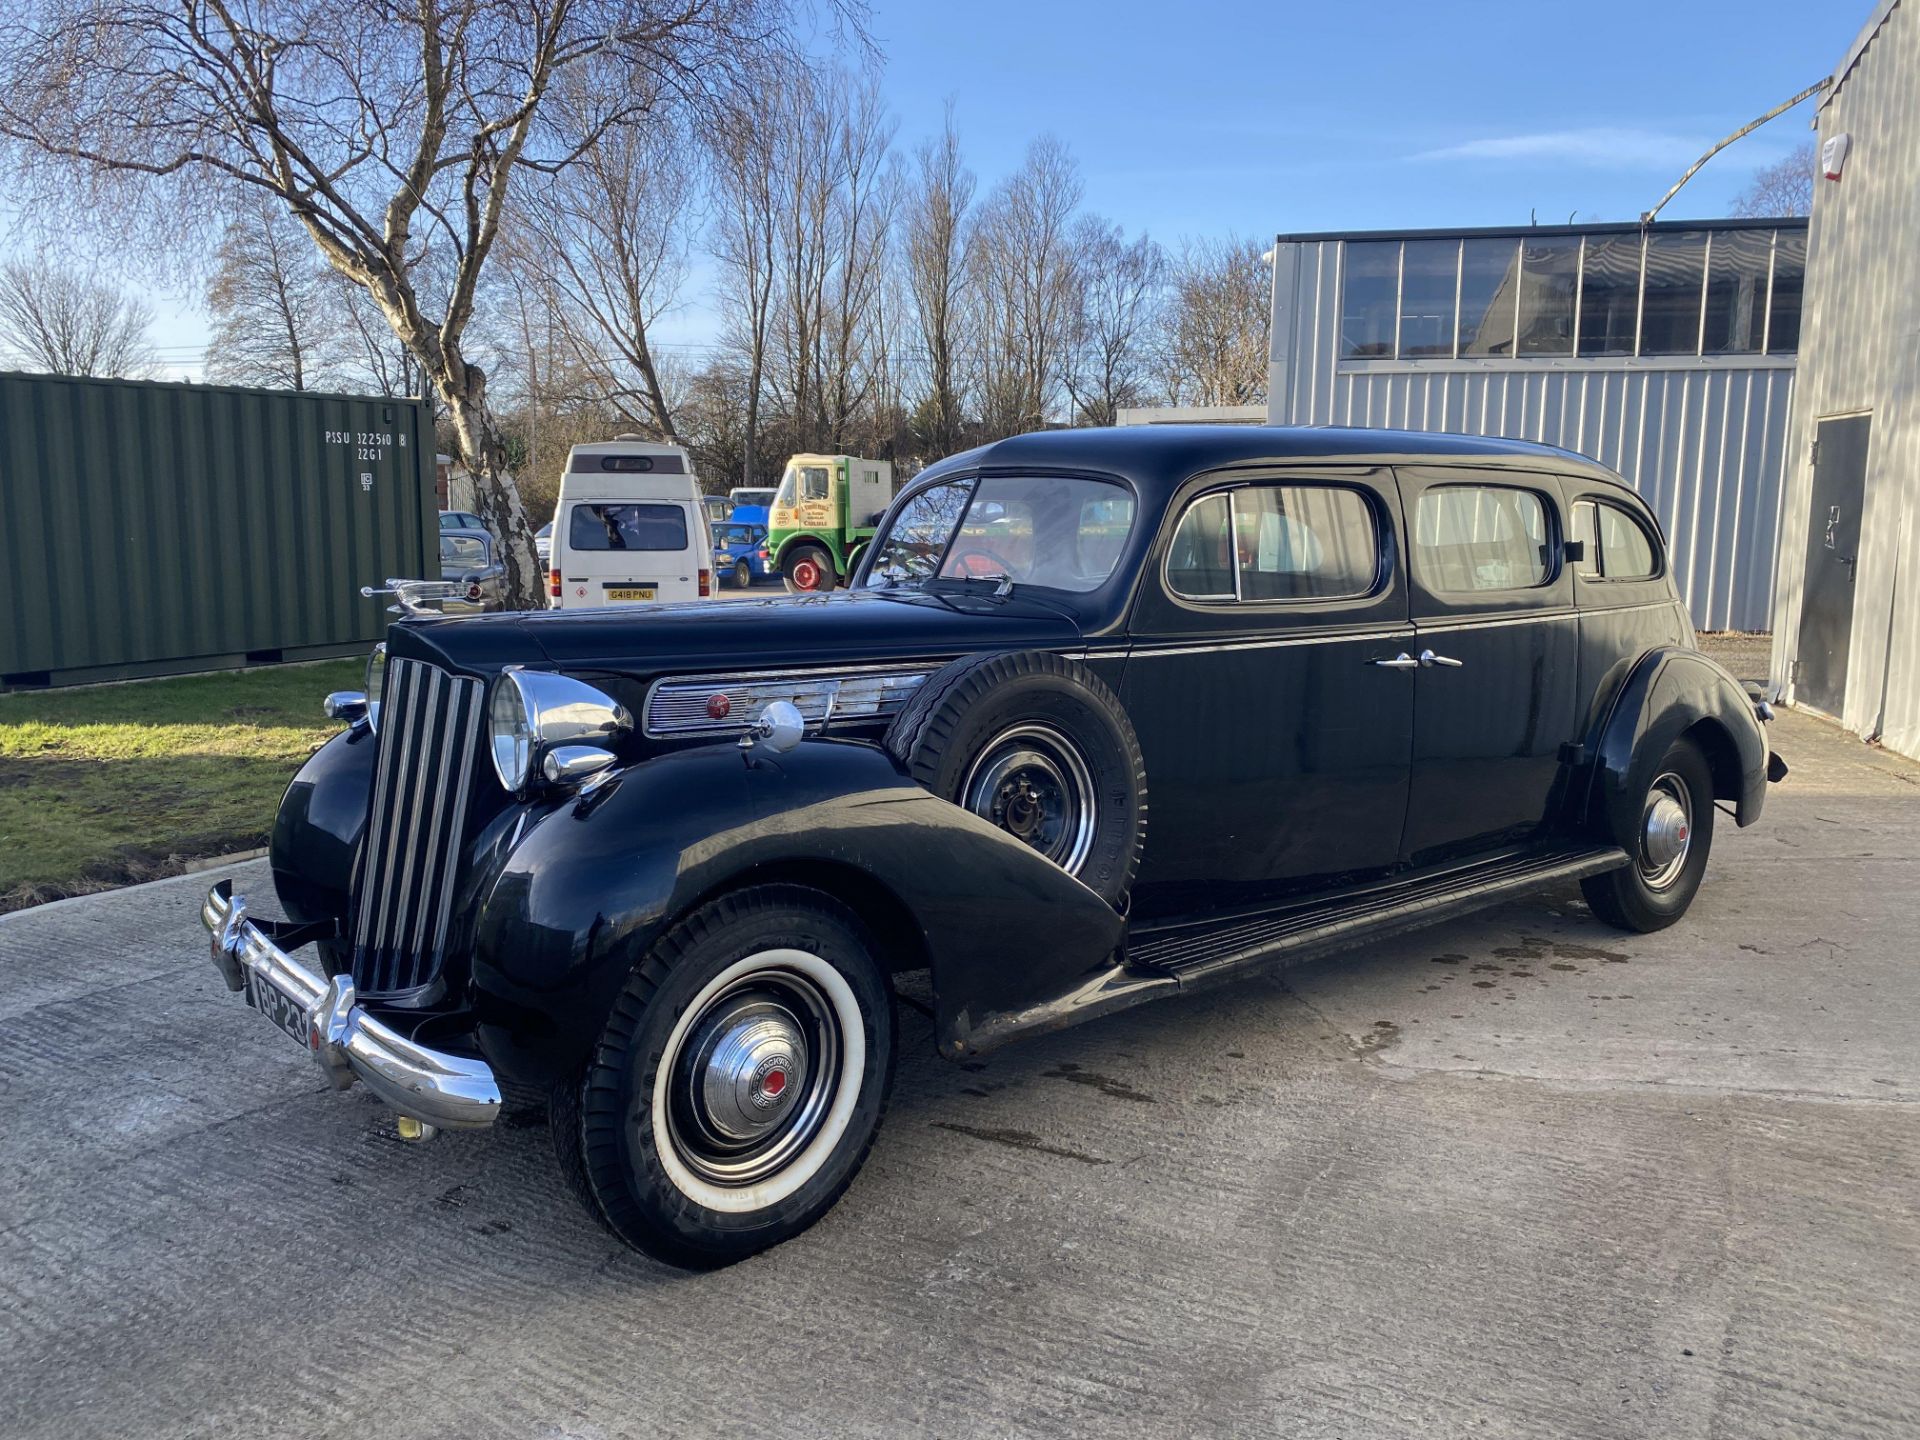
(1664, 695)
(593, 884)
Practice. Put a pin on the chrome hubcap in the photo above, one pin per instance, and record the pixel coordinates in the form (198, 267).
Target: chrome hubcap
(1032, 782)
(1666, 833)
(752, 1081)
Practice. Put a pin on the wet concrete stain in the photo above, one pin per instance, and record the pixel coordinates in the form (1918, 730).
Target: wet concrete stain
(453, 1198)
(1446, 959)
(1105, 1084)
(492, 1227)
(1019, 1140)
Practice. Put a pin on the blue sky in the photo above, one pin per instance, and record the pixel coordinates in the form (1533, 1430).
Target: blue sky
(1204, 118)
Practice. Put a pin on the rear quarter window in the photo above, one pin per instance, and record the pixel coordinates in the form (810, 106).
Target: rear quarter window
(1615, 544)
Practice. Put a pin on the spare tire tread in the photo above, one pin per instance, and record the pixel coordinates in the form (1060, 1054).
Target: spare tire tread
(923, 731)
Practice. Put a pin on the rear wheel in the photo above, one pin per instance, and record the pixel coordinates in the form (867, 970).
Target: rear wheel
(1670, 849)
(739, 1082)
(808, 568)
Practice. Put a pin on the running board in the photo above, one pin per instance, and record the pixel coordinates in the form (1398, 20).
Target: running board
(1200, 953)
(1173, 958)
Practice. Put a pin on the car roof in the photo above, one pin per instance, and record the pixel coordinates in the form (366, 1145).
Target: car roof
(1158, 458)
(449, 533)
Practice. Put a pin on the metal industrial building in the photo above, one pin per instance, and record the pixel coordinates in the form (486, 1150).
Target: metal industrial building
(1666, 352)
(1846, 633)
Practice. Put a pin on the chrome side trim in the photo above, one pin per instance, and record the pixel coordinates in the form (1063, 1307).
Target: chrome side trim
(675, 705)
(455, 1092)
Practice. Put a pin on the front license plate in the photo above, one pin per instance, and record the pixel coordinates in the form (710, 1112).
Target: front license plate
(283, 1010)
(630, 592)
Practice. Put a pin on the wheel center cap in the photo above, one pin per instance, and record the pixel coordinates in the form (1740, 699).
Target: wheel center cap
(748, 1072)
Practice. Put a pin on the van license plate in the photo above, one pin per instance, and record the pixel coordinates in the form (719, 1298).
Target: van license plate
(629, 592)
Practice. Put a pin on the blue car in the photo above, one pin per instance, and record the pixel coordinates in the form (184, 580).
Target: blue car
(740, 553)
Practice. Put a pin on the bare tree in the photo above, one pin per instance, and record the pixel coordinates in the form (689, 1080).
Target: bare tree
(69, 323)
(1218, 315)
(1782, 188)
(1120, 290)
(937, 257)
(606, 243)
(746, 239)
(1026, 289)
(279, 314)
(385, 131)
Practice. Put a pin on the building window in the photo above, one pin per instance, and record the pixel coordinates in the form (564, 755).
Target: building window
(1489, 282)
(1737, 265)
(1789, 273)
(1549, 283)
(1370, 299)
(1429, 278)
(1610, 295)
(1676, 271)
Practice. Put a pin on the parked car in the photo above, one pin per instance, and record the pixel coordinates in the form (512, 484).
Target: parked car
(740, 554)
(543, 544)
(461, 520)
(470, 559)
(629, 527)
(718, 508)
(663, 863)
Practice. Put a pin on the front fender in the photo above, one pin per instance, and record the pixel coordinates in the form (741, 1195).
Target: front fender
(317, 830)
(592, 885)
(1666, 693)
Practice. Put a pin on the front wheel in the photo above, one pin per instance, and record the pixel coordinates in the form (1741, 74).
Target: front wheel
(739, 1082)
(808, 568)
(1670, 850)
(742, 575)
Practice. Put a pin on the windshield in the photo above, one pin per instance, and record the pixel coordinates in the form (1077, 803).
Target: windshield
(1054, 531)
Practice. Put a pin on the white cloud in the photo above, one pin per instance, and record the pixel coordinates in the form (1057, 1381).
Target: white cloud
(1597, 147)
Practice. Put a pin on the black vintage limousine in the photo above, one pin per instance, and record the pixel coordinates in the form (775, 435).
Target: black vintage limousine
(1104, 715)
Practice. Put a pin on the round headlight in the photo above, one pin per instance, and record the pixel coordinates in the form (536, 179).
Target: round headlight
(511, 722)
(375, 682)
(531, 712)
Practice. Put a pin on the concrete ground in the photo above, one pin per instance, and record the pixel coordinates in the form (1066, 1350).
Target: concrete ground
(1519, 1175)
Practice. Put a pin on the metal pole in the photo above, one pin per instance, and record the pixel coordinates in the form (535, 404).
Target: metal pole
(1747, 129)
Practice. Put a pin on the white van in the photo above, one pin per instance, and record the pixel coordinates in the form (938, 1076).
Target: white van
(630, 527)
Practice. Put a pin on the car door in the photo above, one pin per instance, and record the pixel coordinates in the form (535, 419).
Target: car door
(1264, 682)
(1495, 695)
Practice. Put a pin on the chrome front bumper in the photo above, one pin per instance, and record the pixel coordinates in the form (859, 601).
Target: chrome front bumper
(445, 1091)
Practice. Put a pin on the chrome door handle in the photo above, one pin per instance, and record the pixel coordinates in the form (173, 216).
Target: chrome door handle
(1402, 661)
(1427, 657)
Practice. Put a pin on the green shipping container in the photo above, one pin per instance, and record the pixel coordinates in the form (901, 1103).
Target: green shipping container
(150, 528)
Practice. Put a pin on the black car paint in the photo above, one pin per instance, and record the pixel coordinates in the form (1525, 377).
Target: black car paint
(1567, 686)
(592, 884)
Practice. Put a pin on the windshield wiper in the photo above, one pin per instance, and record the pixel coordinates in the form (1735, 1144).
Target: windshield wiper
(1002, 584)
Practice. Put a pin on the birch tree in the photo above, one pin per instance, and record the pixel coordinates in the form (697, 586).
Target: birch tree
(385, 131)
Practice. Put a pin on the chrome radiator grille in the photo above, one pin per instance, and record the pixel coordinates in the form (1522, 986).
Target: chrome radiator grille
(429, 740)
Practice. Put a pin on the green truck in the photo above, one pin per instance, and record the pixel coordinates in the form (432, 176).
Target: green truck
(822, 517)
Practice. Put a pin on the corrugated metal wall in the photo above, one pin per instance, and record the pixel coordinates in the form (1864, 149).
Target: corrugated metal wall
(147, 527)
(1860, 348)
(1702, 440)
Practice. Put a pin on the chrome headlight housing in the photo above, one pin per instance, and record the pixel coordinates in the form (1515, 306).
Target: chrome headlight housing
(532, 712)
(375, 682)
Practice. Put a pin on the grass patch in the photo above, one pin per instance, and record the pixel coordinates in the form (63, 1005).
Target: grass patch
(113, 784)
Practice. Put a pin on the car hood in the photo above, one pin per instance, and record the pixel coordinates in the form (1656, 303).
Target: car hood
(782, 631)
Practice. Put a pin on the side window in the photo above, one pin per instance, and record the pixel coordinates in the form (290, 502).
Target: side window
(1618, 546)
(1276, 542)
(1200, 564)
(1480, 537)
(813, 483)
(1586, 534)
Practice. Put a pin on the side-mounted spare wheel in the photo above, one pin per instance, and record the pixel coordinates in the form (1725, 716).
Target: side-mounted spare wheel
(1038, 745)
(739, 1082)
